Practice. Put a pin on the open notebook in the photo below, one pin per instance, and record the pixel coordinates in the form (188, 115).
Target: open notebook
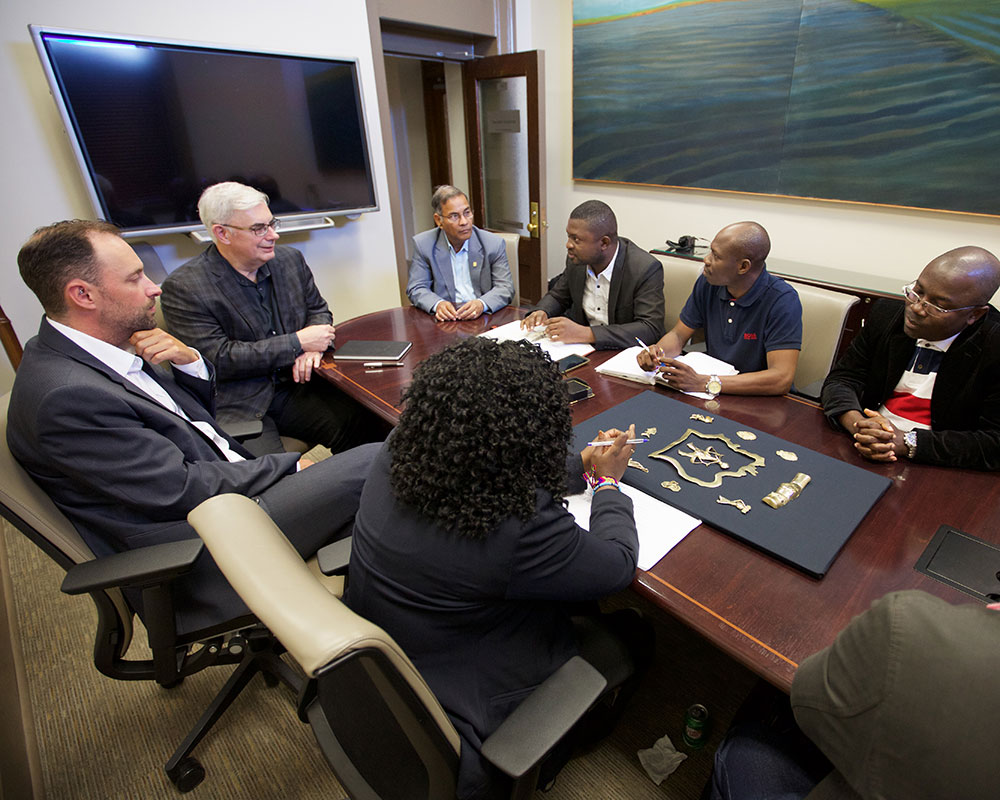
(624, 365)
(513, 331)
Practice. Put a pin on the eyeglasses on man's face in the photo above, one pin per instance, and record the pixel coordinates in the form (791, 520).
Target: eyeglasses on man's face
(455, 216)
(257, 229)
(914, 298)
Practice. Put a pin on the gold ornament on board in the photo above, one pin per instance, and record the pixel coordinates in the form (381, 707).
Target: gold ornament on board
(742, 505)
(708, 456)
(788, 491)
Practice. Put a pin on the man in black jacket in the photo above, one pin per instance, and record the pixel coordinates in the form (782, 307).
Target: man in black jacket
(922, 381)
(610, 293)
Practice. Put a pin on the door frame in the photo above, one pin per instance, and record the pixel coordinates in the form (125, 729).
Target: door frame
(529, 64)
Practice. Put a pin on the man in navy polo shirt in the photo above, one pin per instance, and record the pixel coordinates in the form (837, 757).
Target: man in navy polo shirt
(751, 319)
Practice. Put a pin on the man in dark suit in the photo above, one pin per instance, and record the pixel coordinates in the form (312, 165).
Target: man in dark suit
(458, 271)
(611, 292)
(922, 380)
(252, 308)
(126, 450)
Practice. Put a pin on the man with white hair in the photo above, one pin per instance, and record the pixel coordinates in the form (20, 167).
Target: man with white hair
(252, 308)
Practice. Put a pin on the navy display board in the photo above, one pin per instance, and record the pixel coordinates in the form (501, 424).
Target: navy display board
(807, 533)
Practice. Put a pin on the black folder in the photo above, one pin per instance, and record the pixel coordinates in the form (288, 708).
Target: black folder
(807, 533)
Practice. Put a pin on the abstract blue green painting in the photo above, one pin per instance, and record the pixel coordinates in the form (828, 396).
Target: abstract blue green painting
(881, 101)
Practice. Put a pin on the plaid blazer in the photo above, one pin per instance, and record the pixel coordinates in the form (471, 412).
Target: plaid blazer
(205, 307)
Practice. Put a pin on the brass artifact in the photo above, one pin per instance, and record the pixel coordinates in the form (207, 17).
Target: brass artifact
(747, 436)
(707, 457)
(788, 455)
(636, 465)
(787, 492)
(649, 432)
(702, 418)
(742, 505)
(673, 486)
(704, 457)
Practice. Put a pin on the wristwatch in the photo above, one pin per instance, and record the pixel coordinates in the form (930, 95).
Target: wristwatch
(910, 440)
(714, 385)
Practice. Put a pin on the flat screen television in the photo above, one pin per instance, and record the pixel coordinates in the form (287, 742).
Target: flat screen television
(153, 122)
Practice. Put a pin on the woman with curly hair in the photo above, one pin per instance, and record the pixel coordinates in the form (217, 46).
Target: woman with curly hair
(464, 551)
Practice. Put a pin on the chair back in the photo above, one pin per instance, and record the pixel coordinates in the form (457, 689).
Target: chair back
(823, 315)
(512, 240)
(376, 720)
(679, 275)
(31, 511)
(11, 344)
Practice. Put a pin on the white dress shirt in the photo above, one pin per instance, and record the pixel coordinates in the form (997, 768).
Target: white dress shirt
(597, 291)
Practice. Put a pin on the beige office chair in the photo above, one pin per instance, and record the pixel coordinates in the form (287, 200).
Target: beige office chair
(679, 275)
(377, 722)
(512, 240)
(241, 641)
(823, 315)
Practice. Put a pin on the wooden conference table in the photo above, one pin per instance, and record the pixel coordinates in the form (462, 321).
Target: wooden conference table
(763, 613)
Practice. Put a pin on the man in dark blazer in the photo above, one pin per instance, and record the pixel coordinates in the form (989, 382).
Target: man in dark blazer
(611, 292)
(126, 450)
(252, 308)
(458, 271)
(922, 379)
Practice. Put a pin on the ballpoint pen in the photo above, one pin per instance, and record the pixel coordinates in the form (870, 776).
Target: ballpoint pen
(606, 444)
(380, 364)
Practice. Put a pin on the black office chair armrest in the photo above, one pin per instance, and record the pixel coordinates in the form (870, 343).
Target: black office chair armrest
(335, 558)
(243, 429)
(544, 717)
(143, 566)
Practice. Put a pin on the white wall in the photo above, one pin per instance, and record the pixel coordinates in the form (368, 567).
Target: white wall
(889, 242)
(354, 263)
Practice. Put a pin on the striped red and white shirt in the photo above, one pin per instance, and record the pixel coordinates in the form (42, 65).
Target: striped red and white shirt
(909, 407)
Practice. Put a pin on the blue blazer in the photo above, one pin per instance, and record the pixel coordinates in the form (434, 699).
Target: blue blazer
(431, 279)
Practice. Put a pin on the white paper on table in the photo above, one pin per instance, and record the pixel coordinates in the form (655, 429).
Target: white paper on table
(705, 364)
(660, 526)
(557, 350)
(513, 332)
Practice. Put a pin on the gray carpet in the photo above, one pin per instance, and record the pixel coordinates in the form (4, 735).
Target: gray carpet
(101, 738)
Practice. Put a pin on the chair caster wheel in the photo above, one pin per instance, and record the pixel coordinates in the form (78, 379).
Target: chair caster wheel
(270, 680)
(187, 774)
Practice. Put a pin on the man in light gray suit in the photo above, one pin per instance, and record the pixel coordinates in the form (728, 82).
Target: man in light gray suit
(458, 271)
(112, 417)
(252, 308)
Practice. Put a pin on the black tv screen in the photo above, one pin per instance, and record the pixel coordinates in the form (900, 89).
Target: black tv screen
(155, 122)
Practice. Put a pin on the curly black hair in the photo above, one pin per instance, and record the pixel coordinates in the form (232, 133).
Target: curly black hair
(485, 424)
